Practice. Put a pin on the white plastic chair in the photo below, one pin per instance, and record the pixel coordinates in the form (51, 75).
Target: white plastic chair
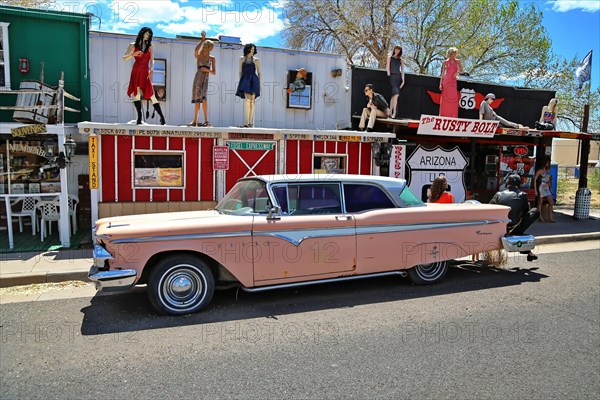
(28, 208)
(50, 212)
(73, 201)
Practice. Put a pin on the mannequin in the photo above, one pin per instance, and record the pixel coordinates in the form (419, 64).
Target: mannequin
(140, 82)
(249, 86)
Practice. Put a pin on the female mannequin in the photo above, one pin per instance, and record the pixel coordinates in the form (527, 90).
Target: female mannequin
(249, 86)
(140, 82)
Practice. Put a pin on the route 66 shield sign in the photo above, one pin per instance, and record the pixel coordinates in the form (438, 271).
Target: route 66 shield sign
(467, 99)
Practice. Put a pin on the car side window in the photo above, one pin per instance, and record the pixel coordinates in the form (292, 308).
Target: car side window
(310, 199)
(280, 193)
(362, 197)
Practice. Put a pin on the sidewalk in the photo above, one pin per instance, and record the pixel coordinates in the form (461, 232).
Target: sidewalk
(60, 266)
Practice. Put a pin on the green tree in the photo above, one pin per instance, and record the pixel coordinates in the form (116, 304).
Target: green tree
(499, 41)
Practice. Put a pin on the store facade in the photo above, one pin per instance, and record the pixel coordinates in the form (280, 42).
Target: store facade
(142, 169)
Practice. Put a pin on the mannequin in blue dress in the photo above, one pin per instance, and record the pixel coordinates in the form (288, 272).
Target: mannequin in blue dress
(249, 86)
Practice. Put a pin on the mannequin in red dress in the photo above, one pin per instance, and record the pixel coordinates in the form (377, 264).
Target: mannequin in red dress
(140, 82)
(451, 68)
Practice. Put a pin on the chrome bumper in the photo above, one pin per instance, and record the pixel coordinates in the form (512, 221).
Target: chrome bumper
(518, 243)
(104, 279)
(120, 279)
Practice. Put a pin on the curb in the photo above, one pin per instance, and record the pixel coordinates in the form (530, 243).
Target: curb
(574, 237)
(56, 277)
(42, 277)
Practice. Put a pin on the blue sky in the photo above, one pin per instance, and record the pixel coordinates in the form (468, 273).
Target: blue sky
(573, 25)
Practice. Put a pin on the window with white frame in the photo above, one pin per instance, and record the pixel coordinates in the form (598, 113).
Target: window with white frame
(4, 57)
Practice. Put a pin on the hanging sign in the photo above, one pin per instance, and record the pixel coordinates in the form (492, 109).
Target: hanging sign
(427, 164)
(93, 159)
(28, 130)
(457, 127)
(397, 161)
(251, 145)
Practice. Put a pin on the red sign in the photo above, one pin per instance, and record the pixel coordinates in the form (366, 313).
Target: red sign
(220, 157)
(520, 151)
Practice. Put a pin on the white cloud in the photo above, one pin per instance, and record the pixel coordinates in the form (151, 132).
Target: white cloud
(568, 5)
(252, 21)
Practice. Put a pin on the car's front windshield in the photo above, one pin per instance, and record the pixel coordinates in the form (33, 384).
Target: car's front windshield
(246, 197)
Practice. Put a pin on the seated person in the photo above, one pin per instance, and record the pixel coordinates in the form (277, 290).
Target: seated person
(487, 112)
(377, 106)
(521, 217)
(298, 83)
(548, 117)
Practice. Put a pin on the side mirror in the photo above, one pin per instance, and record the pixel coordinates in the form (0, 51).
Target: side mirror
(274, 213)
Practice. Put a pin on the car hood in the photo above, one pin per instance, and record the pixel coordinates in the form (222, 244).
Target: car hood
(167, 224)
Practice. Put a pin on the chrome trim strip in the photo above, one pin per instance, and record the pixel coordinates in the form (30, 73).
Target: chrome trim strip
(298, 236)
(183, 237)
(367, 230)
(317, 282)
(115, 279)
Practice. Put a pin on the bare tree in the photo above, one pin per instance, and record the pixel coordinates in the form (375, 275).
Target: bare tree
(364, 30)
(495, 37)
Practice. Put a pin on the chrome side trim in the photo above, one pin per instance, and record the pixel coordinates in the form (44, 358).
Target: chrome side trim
(183, 237)
(518, 243)
(298, 236)
(115, 279)
(367, 230)
(319, 281)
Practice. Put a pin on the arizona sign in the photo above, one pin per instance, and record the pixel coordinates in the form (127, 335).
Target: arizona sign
(446, 126)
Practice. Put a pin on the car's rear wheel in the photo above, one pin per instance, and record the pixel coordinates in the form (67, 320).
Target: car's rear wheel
(180, 285)
(428, 274)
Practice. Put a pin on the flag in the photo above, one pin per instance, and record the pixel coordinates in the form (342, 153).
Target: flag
(584, 70)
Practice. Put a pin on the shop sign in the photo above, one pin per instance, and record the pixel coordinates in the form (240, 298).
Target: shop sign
(20, 147)
(520, 151)
(93, 158)
(28, 130)
(457, 127)
(268, 146)
(427, 164)
(220, 157)
(397, 161)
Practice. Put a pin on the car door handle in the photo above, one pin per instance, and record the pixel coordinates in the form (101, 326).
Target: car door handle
(343, 217)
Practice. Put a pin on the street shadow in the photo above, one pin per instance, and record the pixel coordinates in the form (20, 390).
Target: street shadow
(131, 311)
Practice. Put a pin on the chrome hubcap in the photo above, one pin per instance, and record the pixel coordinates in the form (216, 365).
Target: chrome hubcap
(182, 287)
(430, 271)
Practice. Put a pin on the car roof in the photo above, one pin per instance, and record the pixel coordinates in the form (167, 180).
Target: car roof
(389, 183)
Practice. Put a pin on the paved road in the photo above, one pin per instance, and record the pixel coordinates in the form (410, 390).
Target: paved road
(527, 332)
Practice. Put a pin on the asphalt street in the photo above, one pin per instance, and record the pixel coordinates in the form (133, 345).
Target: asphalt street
(529, 330)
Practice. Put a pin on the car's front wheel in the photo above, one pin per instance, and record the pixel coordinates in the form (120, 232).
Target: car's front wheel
(180, 285)
(428, 274)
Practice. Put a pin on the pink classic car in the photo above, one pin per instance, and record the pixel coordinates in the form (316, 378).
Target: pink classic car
(281, 231)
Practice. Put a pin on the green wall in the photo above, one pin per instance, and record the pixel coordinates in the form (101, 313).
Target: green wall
(61, 41)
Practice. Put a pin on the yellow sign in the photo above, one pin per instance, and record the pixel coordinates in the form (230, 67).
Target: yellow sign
(28, 130)
(93, 156)
(351, 138)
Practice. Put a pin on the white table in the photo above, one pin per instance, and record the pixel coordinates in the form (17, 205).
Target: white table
(7, 199)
